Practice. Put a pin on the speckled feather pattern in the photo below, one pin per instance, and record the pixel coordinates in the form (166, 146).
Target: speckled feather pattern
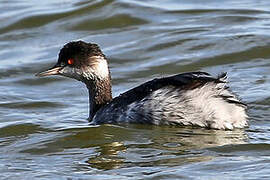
(197, 100)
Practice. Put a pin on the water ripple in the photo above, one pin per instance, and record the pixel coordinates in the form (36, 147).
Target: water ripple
(44, 132)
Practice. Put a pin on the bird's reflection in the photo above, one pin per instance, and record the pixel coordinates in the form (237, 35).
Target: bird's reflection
(139, 145)
(109, 147)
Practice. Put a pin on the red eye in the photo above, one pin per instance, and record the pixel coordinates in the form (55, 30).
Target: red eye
(70, 61)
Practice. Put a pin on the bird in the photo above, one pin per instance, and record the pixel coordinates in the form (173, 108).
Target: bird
(195, 99)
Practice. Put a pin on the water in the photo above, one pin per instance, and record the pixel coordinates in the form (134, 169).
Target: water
(44, 133)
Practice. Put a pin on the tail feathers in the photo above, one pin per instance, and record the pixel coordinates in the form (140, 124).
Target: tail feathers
(231, 98)
(225, 92)
(222, 78)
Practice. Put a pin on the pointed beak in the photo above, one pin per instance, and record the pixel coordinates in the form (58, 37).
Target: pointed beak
(52, 71)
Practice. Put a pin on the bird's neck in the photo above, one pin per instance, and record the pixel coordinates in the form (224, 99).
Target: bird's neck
(100, 93)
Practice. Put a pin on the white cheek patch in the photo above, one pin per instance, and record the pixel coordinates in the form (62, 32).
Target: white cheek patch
(98, 68)
(101, 69)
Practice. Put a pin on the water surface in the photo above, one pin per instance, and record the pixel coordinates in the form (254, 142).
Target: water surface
(44, 133)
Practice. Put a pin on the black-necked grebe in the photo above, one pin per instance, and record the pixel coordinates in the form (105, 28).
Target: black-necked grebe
(194, 98)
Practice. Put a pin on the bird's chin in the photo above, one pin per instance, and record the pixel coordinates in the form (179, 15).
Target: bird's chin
(70, 72)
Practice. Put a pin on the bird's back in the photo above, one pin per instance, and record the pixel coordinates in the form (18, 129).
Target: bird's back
(195, 99)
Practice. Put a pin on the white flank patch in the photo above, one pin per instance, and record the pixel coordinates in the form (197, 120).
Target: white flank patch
(202, 107)
(216, 111)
